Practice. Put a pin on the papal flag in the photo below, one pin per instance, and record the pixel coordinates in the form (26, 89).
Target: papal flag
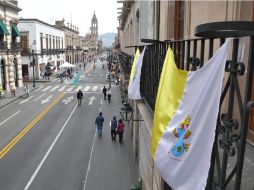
(184, 123)
(134, 84)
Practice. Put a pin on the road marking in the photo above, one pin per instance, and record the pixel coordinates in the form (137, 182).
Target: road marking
(26, 100)
(77, 89)
(91, 100)
(39, 88)
(15, 140)
(45, 89)
(46, 100)
(9, 117)
(89, 163)
(86, 88)
(40, 96)
(54, 88)
(70, 89)
(49, 150)
(61, 89)
(67, 100)
(95, 88)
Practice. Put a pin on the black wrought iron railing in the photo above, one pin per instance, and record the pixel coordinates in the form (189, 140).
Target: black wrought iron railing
(16, 46)
(235, 104)
(3, 45)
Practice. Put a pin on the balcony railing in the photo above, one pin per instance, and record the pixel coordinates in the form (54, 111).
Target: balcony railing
(3, 46)
(16, 46)
(191, 55)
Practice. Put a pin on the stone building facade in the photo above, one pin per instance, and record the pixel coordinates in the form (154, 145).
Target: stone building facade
(169, 20)
(73, 49)
(10, 59)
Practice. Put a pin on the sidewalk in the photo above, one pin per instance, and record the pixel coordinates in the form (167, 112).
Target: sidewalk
(7, 99)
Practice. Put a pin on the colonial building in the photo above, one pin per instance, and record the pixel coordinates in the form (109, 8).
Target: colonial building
(43, 42)
(10, 60)
(175, 20)
(72, 41)
(90, 42)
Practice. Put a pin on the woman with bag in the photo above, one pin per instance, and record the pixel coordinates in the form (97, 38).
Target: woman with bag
(120, 130)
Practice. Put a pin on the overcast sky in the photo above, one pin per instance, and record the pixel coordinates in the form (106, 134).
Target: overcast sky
(79, 11)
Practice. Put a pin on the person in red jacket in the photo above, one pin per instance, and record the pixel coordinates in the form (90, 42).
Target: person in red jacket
(120, 130)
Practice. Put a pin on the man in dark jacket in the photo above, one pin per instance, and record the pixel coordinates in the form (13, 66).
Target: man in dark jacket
(104, 90)
(99, 122)
(113, 126)
(79, 97)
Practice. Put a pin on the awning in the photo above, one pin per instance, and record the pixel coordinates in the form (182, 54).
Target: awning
(15, 31)
(3, 29)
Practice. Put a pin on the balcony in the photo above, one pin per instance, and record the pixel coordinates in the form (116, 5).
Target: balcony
(15, 46)
(3, 46)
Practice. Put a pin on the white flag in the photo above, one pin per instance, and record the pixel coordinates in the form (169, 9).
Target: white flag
(134, 84)
(185, 116)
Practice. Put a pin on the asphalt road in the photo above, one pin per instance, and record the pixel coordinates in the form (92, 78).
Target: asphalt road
(48, 143)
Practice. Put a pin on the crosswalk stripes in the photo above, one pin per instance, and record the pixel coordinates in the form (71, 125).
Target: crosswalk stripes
(86, 88)
(67, 88)
(62, 88)
(45, 89)
(94, 88)
(54, 88)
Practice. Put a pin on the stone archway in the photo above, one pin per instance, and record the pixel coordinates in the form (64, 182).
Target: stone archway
(3, 74)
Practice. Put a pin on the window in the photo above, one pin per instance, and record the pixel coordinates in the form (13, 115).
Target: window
(50, 42)
(47, 41)
(41, 40)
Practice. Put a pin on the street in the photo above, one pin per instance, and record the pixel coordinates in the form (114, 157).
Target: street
(47, 142)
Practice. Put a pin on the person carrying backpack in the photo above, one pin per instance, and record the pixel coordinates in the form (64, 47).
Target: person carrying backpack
(120, 130)
(99, 123)
(79, 97)
(104, 90)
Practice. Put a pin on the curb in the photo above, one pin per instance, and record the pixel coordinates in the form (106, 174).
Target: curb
(18, 97)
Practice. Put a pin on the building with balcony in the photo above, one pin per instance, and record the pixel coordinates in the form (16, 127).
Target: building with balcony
(160, 24)
(43, 41)
(72, 41)
(10, 59)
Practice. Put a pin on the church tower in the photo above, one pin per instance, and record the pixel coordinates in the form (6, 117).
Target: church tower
(94, 28)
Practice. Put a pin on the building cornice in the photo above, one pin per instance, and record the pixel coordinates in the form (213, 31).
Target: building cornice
(38, 21)
(9, 4)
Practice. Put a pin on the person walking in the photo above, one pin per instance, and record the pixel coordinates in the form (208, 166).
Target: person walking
(104, 90)
(99, 123)
(120, 130)
(113, 126)
(79, 97)
(109, 95)
(13, 91)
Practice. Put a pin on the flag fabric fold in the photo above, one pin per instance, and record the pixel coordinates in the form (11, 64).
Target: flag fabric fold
(134, 84)
(185, 116)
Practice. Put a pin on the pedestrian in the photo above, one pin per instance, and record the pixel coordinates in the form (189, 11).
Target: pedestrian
(104, 90)
(99, 123)
(113, 126)
(79, 97)
(120, 130)
(109, 95)
(13, 91)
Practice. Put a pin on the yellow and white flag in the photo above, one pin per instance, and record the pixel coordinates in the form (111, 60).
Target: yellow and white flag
(134, 84)
(185, 116)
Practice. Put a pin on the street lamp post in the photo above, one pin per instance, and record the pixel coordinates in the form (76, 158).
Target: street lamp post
(32, 63)
(109, 68)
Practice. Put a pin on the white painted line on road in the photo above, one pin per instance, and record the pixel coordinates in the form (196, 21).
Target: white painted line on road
(95, 88)
(45, 89)
(26, 100)
(61, 89)
(49, 150)
(54, 88)
(70, 89)
(78, 88)
(89, 163)
(40, 96)
(91, 99)
(39, 88)
(9, 117)
(47, 99)
(86, 88)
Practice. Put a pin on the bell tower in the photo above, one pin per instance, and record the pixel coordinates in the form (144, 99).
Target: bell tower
(94, 27)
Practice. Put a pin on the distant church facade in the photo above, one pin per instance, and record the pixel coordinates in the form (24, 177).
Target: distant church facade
(90, 42)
